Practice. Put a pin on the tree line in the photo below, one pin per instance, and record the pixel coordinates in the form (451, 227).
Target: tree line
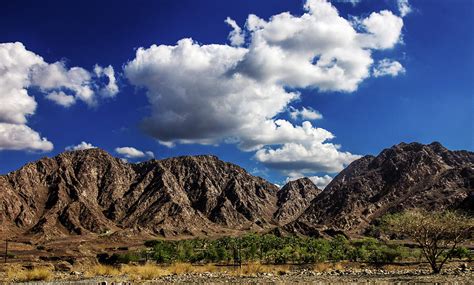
(438, 236)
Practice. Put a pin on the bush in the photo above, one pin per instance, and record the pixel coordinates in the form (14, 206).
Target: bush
(340, 248)
(461, 253)
(383, 255)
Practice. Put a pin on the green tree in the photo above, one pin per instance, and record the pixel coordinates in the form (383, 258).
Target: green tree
(340, 248)
(437, 234)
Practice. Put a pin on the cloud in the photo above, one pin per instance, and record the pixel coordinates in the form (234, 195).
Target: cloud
(383, 30)
(388, 67)
(15, 64)
(61, 98)
(306, 158)
(353, 2)
(320, 181)
(82, 146)
(21, 137)
(304, 114)
(236, 36)
(80, 83)
(111, 88)
(150, 154)
(20, 70)
(404, 7)
(132, 153)
(16, 104)
(215, 93)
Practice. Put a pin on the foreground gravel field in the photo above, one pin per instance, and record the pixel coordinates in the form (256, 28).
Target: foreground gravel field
(309, 277)
(451, 276)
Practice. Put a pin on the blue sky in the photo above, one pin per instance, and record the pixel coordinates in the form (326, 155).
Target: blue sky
(423, 92)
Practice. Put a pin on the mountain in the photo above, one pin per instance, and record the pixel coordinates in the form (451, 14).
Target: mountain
(401, 177)
(294, 198)
(89, 191)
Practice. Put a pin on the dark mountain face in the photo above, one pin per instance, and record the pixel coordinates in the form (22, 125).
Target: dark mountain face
(90, 191)
(402, 177)
(293, 198)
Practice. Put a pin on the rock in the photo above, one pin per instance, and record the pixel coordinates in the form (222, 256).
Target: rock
(294, 197)
(63, 266)
(402, 177)
(89, 191)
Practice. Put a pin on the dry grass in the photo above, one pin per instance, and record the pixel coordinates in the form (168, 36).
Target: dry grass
(35, 274)
(328, 266)
(102, 270)
(180, 268)
(144, 272)
(254, 268)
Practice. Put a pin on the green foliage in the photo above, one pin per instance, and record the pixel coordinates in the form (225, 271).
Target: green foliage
(461, 253)
(438, 234)
(372, 250)
(340, 248)
(274, 250)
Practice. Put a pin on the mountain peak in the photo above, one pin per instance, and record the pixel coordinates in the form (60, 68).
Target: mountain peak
(407, 175)
(294, 197)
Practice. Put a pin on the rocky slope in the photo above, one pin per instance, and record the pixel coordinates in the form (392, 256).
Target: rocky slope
(401, 177)
(294, 198)
(90, 191)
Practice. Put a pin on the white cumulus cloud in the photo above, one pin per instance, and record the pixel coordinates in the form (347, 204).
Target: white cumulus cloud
(388, 67)
(304, 114)
(111, 88)
(20, 70)
(82, 146)
(404, 7)
(131, 152)
(21, 137)
(214, 93)
(320, 181)
(61, 98)
(236, 36)
(306, 157)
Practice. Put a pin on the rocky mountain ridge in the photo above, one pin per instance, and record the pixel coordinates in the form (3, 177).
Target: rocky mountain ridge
(401, 177)
(89, 191)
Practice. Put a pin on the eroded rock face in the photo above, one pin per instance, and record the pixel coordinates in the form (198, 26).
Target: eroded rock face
(89, 191)
(401, 177)
(294, 198)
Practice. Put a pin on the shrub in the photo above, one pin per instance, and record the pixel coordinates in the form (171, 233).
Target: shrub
(461, 253)
(383, 255)
(340, 248)
(35, 274)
